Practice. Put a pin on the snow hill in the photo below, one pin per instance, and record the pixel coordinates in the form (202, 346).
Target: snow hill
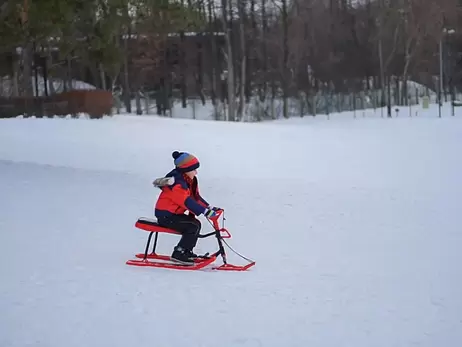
(354, 224)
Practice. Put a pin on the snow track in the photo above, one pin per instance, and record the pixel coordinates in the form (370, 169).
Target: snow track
(354, 225)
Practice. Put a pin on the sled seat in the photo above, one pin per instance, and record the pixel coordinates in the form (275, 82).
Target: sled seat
(151, 225)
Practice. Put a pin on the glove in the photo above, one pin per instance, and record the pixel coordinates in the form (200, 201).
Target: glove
(215, 208)
(210, 212)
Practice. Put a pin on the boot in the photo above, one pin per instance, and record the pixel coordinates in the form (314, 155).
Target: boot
(182, 256)
(191, 254)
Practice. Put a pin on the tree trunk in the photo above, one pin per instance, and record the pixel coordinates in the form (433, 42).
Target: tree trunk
(250, 53)
(102, 76)
(263, 76)
(26, 84)
(243, 59)
(285, 28)
(213, 55)
(126, 82)
(183, 69)
(229, 50)
(200, 73)
(15, 79)
(139, 110)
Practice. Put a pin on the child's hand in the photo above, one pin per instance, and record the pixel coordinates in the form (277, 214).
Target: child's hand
(210, 213)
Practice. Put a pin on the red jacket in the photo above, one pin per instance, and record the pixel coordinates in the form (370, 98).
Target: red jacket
(180, 197)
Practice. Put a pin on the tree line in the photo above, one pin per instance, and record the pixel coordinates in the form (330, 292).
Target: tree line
(233, 52)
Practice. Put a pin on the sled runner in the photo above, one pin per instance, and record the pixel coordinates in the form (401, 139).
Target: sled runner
(154, 259)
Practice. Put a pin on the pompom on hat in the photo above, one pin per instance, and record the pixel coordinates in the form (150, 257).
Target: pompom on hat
(185, 162)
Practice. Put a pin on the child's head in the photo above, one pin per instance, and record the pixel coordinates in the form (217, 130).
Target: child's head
(186, 163)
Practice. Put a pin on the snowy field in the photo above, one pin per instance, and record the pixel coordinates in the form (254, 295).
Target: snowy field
(355, 225)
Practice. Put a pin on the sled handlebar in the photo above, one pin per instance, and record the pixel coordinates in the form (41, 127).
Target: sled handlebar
(217, 216)
(216, 226)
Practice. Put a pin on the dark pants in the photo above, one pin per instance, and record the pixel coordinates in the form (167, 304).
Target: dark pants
(188, 226)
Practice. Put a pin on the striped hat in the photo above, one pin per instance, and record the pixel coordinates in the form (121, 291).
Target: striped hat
(185, 162)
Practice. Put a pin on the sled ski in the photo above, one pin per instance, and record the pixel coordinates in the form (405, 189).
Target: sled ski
(170, 265)
(157, 260)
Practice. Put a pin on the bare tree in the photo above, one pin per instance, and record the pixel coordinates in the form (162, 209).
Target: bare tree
(231, 115)
(242, 31)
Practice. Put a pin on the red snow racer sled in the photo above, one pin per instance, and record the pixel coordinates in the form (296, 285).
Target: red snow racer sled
(154, 259)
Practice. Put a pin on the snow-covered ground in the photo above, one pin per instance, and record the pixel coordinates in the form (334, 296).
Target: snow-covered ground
(354, 225)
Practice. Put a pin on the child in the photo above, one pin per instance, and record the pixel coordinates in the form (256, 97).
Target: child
(180, 193)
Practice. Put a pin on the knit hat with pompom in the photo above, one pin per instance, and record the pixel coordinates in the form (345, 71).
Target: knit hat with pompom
(185, 162)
